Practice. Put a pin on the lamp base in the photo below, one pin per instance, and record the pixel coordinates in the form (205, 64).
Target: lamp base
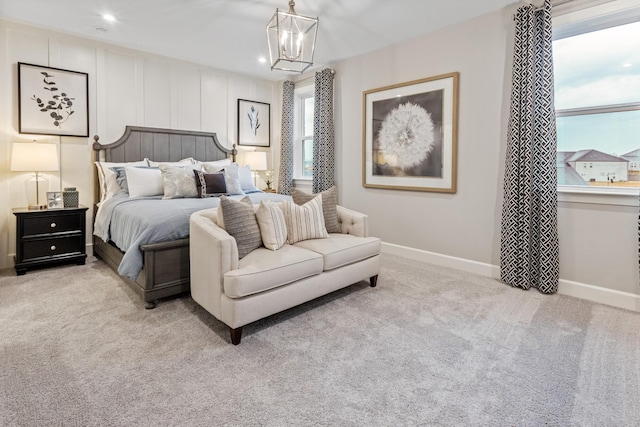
(37, 207)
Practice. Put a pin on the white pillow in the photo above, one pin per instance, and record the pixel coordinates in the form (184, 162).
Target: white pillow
(144, 182)
(215, 163)
(304, 222)
(183, 162)
(107, 178)
(246, 180)
(273, 227)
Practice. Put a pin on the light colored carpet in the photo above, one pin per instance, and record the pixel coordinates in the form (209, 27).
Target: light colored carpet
(428, 346)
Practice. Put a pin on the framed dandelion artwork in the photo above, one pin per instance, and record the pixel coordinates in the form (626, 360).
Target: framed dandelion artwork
(410, 135)
(52, 101)
(254, 126)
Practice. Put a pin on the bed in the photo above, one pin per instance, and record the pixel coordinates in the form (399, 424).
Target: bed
(161, 259)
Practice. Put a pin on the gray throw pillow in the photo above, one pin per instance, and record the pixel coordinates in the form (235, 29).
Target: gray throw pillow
(178, 181)
(241, 223)
(329, 206)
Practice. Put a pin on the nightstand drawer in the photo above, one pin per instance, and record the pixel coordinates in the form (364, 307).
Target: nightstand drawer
(47, 224)
(68, 245)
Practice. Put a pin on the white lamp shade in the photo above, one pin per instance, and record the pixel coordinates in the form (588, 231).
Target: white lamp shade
(257, 160)
(34, 157)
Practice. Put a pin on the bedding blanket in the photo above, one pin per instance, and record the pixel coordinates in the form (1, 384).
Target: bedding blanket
(133, 221)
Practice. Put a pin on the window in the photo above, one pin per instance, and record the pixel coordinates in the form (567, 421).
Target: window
(597, 100)
(303, 132)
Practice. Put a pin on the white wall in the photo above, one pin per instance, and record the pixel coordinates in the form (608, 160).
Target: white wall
(126, 87)
(598, 243)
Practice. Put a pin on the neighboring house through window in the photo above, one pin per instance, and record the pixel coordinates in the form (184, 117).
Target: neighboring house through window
(303, 132)
(597, 99)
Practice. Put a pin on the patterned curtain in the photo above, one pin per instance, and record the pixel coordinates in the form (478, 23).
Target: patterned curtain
(323, 132)
(529, 233)
(285, 180)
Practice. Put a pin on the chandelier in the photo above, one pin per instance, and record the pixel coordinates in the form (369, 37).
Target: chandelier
(292, 40)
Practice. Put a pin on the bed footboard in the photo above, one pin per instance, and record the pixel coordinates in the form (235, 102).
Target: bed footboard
(165, 272)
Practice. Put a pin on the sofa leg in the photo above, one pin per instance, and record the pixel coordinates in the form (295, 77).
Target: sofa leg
(236, 335)
(373, 280)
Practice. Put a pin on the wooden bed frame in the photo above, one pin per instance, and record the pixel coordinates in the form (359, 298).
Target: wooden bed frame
(165, 269)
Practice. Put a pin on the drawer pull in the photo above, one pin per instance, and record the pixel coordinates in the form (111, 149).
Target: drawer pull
(53, 247)
(53, 225)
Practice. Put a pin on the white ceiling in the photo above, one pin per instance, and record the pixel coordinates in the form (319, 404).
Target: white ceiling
(230, 34)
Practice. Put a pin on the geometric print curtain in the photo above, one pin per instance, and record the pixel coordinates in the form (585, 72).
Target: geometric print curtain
(323, 132)
(285, 179)
(529, 229)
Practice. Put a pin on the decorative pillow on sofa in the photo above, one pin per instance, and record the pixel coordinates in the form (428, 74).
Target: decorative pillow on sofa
(273, 226)
(240, 222)
(178, 181)
(304, 222)
(329, 206)
(210, 184)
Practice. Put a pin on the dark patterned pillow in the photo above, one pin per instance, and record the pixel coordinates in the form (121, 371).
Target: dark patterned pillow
(241, 223)
(329, 206)
(210, 184)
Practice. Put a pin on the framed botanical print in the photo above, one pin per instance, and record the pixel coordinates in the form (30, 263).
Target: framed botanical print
(410, 135)
(254, 127)
(52, 101)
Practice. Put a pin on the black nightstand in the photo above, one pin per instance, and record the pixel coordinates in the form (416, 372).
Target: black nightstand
(49, 237)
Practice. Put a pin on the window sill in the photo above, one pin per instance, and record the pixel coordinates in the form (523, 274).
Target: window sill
(614, 196)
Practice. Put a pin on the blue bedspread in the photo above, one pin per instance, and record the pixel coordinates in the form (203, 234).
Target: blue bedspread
(133, 221)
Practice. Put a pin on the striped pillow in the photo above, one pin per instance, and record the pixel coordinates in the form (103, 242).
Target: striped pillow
(304, 222)
(240, 222)
(273, 226)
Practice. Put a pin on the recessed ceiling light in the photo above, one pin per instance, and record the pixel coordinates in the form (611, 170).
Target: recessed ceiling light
(108, 17)
(262, 60)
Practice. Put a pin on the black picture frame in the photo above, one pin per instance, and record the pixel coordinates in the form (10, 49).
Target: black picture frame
(52, 101)
(254, 123)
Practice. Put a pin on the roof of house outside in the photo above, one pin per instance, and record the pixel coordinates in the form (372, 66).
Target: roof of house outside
(593, 156)
(568, 175)
(632, 156)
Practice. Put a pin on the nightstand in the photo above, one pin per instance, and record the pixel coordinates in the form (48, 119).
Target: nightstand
(49, 237)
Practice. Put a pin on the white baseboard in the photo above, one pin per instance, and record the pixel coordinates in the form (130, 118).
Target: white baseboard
(619, 299)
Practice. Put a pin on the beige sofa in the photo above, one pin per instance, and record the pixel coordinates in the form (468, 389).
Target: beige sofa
(265, 282)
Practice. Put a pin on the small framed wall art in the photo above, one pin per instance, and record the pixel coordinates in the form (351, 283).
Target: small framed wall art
(54, 200)
(410, 135)
(254, 123)
(52, 101)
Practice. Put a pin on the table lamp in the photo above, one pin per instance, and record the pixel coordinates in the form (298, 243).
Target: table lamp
(257, 161)
(35, 157)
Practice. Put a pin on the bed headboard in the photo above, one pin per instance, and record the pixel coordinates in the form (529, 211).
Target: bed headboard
(162, 145)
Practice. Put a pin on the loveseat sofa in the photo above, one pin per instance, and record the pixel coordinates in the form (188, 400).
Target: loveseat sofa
(264, 282)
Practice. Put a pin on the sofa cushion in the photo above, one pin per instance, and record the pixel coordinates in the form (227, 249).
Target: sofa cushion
(329, 206)
(304, 222)
(273, 226)
(342, 249)
(264, 269)
(240, 222)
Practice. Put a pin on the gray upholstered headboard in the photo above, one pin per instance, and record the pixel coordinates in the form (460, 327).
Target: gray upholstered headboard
(162, 145)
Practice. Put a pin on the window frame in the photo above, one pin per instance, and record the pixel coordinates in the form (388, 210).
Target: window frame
(300, 95)
(580, 21)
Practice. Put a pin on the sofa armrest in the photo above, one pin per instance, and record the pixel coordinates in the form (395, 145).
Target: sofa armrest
(212, 252)
(352, 222)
